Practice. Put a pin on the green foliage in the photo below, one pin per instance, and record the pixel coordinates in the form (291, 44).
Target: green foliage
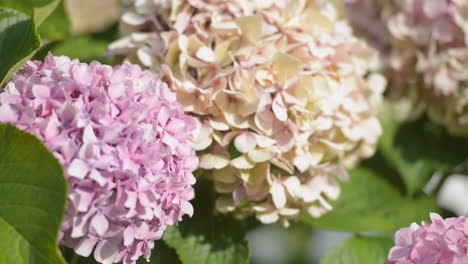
(86, 48)
(370, 203)
(360, 250)
(419, 149)
(32, 199)
(208, 238)
(161, 254)
(19, 39)
(55, 27)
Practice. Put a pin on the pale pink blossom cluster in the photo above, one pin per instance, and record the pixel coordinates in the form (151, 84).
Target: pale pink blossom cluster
(424, 44)
(123, 142)
(278, 92)
(444, 241)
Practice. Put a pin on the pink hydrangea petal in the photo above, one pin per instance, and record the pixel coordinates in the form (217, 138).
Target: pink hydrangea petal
(129, 236)
(8, 114)
(186, 207)
(78, 169)
(100, 224)
(279, 108)
(86, 246)
(106, 251)
(41, 91)
(404, 237)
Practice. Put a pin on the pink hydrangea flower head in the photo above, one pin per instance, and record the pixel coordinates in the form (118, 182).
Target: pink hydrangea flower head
(122, 139)
(278, 91)
(443, 242)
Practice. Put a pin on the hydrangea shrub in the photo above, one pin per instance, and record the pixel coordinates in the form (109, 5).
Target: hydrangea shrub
(123, 142)
(267, 104)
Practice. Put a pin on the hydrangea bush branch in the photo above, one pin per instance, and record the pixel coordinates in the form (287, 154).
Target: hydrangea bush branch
(278, 92)
(123, 141)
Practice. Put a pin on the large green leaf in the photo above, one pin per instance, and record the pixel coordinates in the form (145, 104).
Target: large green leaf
(32, 200)
(360, 250)
(208, 238)
(419, 149)
(55, 27)
(369, 203)
(19, 39)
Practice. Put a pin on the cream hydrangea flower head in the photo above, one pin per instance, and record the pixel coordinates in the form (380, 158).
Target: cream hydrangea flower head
(425, 48)
(278, 92)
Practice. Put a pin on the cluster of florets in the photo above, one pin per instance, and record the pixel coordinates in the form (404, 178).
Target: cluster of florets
(424, 44)
(443, 242)
(278, 92)
(123, 142)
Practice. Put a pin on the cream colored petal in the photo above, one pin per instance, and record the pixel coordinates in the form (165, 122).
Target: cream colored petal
(279, 108)
(309, 193)
(226, 188)
(242, 162)
(221, 52)
(333, 145)
(211, 161)
(290, 212)
(301, 162)
(286, 66)
(227, 174)
(206, 54)
(283, 164)
(261, 155)
(257, 175)
(146, 57)
(278, 194)
(293, 186)
(219, 124)
(228, 137)
(245, 142)
(316, 211)
(268, 217)
(251, 27)
(324, 203)
(264, 142)
(263, 207)
(132, 18)
(265, 117)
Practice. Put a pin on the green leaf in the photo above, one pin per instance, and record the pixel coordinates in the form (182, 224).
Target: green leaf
(18, 41)
(208, 238)
(55, 27)
(360, 250)
(32, 199)
(18, 37)
(86, 48)
(161, 254)
(419, 149)
(369, 203)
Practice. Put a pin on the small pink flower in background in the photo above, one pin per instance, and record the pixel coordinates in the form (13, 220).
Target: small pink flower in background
(444, 241)
(123, 142)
